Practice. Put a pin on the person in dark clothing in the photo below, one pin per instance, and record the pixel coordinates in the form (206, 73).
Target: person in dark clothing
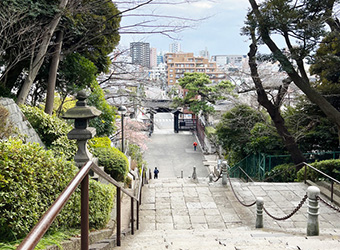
(155, 173)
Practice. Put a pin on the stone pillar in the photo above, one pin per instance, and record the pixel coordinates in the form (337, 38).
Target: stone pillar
(211, 177)
(224, 170)
(313, 211)
(259, 212)
(194, 175)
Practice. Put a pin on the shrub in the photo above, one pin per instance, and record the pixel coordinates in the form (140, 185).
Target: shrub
(114, 162)
(282, 173)
(52, 131)
(329, 167)
(48, 127)
(31, 179)
(100, 142)
(136, 155)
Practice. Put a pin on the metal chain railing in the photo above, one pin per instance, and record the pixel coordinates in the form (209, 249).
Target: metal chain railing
(329, 204)
(289, 215)
(232, 188)
(219, 176)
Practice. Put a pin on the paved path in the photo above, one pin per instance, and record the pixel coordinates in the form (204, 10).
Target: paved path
(182, 214)
(171, 153)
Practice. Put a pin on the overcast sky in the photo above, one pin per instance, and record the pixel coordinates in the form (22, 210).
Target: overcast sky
(220, 33)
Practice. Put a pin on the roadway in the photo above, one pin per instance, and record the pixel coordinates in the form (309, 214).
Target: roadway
(173, 152)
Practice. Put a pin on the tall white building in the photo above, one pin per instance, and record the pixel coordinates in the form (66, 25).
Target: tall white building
(175, 47)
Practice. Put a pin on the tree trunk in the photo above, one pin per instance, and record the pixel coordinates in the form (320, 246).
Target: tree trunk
(273, 110)
(52, 77)
(39, 58)
(302, 83)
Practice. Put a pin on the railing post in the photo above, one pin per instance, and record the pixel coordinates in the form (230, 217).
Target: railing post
(137, 219)
(132, 218)
(259, 212)
(118, 216)
(194, 174)
(313, 211)
(305, 174)
(85, 213)
(224, 173)
(332, 190)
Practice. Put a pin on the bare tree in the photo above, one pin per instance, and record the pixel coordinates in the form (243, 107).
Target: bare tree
(273, 106)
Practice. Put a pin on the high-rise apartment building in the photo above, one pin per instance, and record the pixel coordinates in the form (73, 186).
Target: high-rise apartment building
(175, 47)
(179, 63)
(153, 57)
(140, 53)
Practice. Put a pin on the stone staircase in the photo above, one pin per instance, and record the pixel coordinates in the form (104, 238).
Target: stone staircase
(187, 214)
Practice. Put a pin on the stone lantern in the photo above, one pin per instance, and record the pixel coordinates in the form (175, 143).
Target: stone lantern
(81, 114)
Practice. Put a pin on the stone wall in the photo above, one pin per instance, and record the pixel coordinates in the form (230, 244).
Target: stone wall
(19, 121)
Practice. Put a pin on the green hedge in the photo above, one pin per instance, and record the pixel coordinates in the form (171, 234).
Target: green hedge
(31, 178)
(115, 163)
(52, 131)
(281, 173)
(329, 167)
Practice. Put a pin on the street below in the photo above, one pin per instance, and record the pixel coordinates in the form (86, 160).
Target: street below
(173, 152)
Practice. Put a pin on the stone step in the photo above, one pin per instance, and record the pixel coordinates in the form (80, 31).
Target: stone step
(225, 239)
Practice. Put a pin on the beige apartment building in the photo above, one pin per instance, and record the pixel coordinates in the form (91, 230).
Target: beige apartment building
(179, 63)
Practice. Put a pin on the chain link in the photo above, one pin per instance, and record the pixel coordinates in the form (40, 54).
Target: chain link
(246, 205)
(329, 204)
(219, 176)
(289, 215)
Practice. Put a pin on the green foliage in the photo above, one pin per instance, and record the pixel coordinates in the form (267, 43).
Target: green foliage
(101, 198)
(234, 131)
(76, 72)
(30, 181)
(49, 239)
(264, 139)
(136, 154)
(200, 93)
(105, 123)
(210, 131)
(98, 22)
(282, 173)
(312, 130)
(52, 131)
(329, 167)
(115, 163)
(326, 64)
(48, 127)
(99, 142)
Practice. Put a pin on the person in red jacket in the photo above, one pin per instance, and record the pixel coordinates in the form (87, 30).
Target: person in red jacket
(195, 145)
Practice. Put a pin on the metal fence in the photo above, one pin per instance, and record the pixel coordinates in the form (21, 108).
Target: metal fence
(257, 165)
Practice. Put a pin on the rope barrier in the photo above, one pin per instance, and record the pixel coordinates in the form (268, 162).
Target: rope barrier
(289, 215)
(328, 204)
(218, 177)
(246, 205)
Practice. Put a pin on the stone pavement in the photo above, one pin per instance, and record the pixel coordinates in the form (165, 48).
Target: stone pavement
(183, 214)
